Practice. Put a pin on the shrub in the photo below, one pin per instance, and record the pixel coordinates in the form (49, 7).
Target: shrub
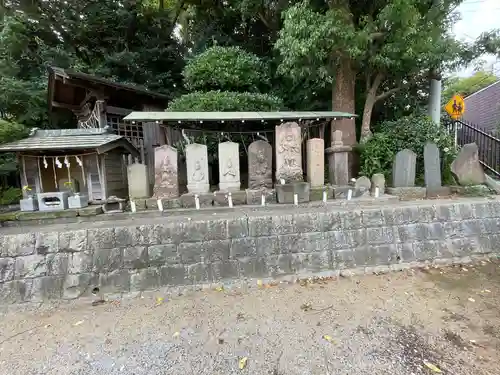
(225, 101)
(225, 68)
(411, 132)
(10, 195)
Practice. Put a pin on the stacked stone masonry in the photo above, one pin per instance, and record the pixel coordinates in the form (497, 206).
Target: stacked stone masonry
(65, 262)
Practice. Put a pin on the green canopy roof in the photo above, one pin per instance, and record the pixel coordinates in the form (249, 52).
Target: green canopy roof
(234, 116)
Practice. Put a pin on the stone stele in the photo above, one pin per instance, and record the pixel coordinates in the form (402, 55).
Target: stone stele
(362, 185)
(166, 181)
(466, 166)
(338, 160)
(403, 169)
(432, 166)
(315, 148)
(197, 168)
(378, 181)
(138, 181)
(260, 165)
(229, 166)
(288, 152)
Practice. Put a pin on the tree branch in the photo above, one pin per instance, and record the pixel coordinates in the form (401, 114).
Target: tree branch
(376, 83)
(368, 81)
(264, 20)
(388, 93)
(378, 35)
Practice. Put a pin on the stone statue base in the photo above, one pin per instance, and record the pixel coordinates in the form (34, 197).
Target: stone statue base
(198, 188)
(285, 193)
(229, 186)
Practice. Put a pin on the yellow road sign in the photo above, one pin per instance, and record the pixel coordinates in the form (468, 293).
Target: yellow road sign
(455, 107)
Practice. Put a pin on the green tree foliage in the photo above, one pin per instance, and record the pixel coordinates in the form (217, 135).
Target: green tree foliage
(129, 42)
(385, 44)
(411, 132)
(230, 79)
(9, 132)
(226, 68)
(225, 101)
(468, 85)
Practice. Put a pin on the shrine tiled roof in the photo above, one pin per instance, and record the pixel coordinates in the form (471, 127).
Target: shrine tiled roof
(70, 139)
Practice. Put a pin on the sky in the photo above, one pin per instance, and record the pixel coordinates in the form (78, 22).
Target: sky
(478, 16)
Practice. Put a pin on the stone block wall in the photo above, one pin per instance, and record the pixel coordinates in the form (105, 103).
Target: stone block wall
(69, 261)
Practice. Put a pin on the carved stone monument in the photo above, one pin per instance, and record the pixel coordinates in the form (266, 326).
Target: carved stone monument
(338, 160)
(138, 181)
(403, 169)
(378, 181)
(288, 153)
(229, 166)
(362, 186)
(403, 177)
(432, 166)
(260, 165)
(166, 177)
(466, 166)
(197, 168)
(315, 162)
(432, 172)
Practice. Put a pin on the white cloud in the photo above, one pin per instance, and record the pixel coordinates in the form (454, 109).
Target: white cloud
(477, 17)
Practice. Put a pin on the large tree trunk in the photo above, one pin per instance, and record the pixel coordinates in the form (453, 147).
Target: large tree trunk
(343, 100)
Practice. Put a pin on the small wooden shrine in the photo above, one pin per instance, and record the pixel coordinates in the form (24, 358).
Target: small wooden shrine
(92, 162)
(97, 102)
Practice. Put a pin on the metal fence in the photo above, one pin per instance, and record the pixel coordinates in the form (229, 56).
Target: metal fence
(488, 143)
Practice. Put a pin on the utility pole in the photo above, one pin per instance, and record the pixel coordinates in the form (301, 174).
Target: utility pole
(435, 97)
(435, 89)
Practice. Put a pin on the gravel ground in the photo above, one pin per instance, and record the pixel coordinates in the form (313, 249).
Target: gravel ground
(385, 324)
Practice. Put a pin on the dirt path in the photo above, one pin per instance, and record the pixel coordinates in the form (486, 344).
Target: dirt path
(386, 324)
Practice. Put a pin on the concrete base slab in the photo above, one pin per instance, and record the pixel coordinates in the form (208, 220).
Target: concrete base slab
(239, 198)
(438, 192)
(407, 193)
(188, 200)
(316, 193)
(254, 196)
(285, 193)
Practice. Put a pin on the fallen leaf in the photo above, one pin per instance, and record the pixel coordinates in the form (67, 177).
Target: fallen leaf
(176, 334)
(159, 300)
(243, 363)
(78, 323)
(329, 338)
(434, 368)
(472, 300)
(259, 283)
(306, 306)
(219, 289)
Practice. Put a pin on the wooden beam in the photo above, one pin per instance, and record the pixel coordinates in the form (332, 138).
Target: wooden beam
(66, 106)
(118, 110)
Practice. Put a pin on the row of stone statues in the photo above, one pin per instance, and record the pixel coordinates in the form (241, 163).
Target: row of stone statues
(260, 170)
